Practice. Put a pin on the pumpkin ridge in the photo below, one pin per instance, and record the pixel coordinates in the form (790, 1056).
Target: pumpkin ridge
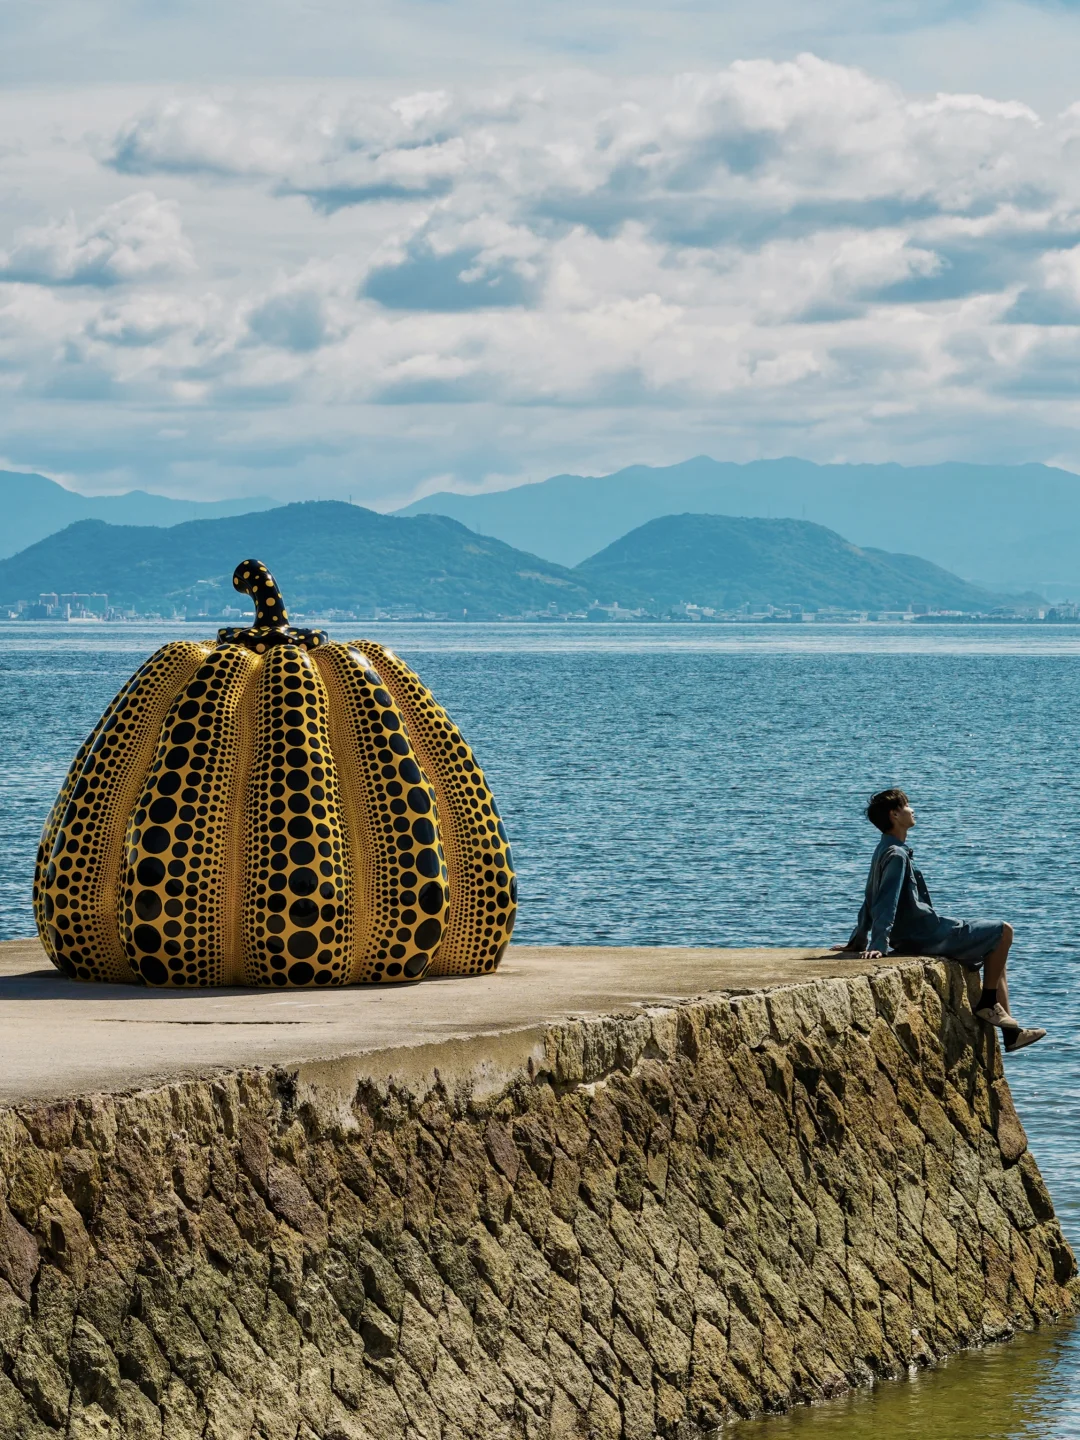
(298, 912)
(115, 770)
(382, 784)
(236, 852)
(63, 798)
(173, 925)
(483, 887)
(356, 821)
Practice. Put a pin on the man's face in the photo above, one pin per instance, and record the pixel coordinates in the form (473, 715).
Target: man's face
(902, 819)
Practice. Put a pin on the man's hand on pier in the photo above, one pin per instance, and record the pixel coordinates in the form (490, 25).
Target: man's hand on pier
(859, 954)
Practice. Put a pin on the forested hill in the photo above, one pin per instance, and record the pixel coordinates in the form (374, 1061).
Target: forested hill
(323, 554)
(723, 561)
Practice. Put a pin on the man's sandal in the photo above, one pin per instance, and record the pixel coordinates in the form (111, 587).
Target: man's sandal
(996, 1014)
(1021, 1038)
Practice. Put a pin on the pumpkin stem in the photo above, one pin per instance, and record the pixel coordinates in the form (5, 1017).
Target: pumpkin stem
(251, 577)
(271, 627)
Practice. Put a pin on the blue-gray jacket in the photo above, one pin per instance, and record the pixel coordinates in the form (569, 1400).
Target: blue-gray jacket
(897, 905)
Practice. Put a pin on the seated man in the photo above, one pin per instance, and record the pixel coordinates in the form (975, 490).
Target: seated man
(897, 908)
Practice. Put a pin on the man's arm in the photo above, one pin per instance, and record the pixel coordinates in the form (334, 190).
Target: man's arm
(862, 925)
(886, 900)
(856, 945)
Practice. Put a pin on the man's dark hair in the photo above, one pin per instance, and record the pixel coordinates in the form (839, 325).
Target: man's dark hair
(879, 811)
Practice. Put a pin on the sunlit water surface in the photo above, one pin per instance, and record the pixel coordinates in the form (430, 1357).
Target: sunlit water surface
(701, 785)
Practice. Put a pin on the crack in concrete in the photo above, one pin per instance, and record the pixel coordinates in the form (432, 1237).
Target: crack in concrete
(118, 1020)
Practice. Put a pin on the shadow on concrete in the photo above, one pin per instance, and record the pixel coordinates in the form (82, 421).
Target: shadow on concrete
(50, 984)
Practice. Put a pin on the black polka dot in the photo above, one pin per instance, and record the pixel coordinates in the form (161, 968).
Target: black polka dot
(147, 905)
(427, 862)
(430, 898)
(428, 934)
(302, 944)
(304, 912)
(150, 872)
(156, 840)
(152, 970)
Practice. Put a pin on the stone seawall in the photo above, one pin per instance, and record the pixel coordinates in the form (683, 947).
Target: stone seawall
(641, 1224)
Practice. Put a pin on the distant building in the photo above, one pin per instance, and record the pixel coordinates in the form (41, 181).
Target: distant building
(46, 607)
(74, 605)
(613, 612)
(81, 604)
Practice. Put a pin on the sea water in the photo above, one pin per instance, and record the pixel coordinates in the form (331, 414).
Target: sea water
(702, 785)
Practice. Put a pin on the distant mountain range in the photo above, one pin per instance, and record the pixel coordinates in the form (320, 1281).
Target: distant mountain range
(1009, 527)
(1015, 526)
(33, 507)
(327, 555)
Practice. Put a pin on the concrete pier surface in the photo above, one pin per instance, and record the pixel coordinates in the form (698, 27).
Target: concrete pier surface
(60, 1037)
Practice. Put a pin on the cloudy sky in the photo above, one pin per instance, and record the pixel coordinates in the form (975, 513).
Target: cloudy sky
(375, 249)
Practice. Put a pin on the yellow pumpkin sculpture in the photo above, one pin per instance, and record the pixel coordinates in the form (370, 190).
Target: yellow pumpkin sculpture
(274, 809)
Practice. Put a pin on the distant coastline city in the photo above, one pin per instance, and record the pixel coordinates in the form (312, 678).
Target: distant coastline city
(78, 607)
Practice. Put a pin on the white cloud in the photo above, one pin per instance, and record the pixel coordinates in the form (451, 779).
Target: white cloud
(759, 136)
(564, 272)
(150, 319)
(1010, 48)
(139, 238)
